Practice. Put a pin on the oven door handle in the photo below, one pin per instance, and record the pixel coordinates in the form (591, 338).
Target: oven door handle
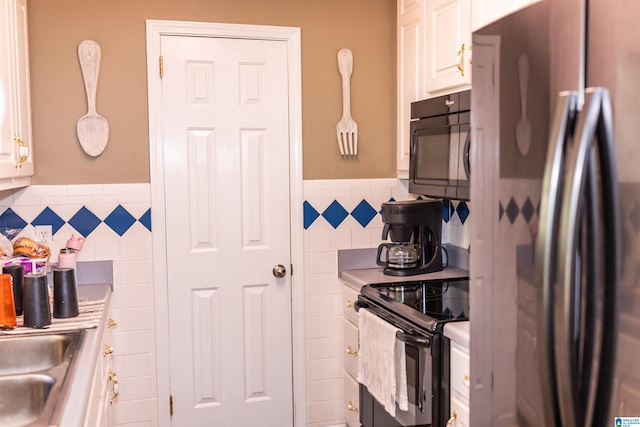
(413, 340)
(406, 337)
(357, 305)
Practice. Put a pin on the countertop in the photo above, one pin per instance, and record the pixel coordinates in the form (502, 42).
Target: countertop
(78, 395)
(360, 277)
(458, 332)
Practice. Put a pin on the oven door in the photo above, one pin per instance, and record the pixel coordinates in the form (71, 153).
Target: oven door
(419, 371)
(439, 156)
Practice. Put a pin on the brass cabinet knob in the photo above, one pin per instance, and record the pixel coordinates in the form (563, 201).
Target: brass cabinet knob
(467, 381)
(452, 419)
(349, 303)
(107, 350)
(23, 151)
(112, 323)
(115, 388)
(461, 62)
(352, 351)
(352, 408)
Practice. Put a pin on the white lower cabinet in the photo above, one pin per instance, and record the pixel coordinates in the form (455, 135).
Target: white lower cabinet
(352, 397)
(351, 345)
(460, 373)
(105, 383)
(459, 413)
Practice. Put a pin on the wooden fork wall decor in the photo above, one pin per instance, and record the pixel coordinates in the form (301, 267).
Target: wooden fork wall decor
(347, 129)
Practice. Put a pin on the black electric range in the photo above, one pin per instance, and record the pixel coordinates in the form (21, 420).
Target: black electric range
(420, 309)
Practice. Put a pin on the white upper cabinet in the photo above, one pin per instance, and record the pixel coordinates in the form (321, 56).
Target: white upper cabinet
(411, 55)
(448, 46)
(435, 53)
(16, 161)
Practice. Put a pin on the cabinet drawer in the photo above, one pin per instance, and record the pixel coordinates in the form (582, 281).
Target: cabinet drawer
(349, 296)
(460, 370)
(351, 348)
(461, 413)
(352, 401)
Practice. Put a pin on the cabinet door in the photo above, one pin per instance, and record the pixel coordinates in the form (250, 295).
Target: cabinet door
(411, 54)
(459, 413)
(23, 95)
(448, 42)
(15, 117)
(351, 397)
(6, 100)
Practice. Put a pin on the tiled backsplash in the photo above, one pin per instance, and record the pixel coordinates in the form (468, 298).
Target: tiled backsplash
(345, 215)
(115, 219)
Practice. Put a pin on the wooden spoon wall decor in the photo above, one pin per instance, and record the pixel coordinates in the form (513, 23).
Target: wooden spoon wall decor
(92, 128)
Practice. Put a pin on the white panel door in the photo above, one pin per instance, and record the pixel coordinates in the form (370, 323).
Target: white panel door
(226, 169)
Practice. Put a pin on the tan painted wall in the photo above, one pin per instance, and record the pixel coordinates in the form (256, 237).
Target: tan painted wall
(56, 27)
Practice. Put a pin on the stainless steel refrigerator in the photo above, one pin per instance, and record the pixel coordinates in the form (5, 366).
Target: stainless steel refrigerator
(555, 216)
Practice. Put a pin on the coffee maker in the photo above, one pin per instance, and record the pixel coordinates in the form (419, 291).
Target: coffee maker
(415, 230)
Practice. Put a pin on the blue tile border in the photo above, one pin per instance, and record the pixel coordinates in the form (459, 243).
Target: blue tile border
(84, 221)
(364, 212)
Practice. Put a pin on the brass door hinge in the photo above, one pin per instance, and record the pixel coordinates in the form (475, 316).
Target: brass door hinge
(171, 405)
(161, 60)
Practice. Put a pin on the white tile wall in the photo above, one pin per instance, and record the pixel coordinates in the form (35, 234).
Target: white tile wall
(323, 290)
(132, 303)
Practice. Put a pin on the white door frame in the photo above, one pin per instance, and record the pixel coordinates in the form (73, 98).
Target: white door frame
(155, 30)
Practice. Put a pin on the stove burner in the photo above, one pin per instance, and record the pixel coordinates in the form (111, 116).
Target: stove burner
(439, 300)
(445, 308)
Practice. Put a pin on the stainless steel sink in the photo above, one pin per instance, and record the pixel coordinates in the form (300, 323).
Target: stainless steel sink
(36, 353)
(23, 398)
(35, 373)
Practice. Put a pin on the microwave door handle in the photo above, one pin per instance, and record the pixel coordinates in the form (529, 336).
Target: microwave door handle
(466, 160)
(546, 257)
(612, 238)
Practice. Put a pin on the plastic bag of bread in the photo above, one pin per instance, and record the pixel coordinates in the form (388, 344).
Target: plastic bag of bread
(27, 247)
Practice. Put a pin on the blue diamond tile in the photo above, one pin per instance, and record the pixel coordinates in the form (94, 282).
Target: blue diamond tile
(84, 221)
(309, 214)
(120, 220)
(447, 210)
(463, 211)
(364, 213)
(11, 223)
(500, 211)
(335, 214)
(49, 217)
(527, 210)
(512, 210)
(146, 219)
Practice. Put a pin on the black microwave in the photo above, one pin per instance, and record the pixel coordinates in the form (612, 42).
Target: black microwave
(440, 141)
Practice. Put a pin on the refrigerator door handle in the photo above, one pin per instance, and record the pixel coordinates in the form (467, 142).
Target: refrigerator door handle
(612, 265)
(546, 256)
(594, 127)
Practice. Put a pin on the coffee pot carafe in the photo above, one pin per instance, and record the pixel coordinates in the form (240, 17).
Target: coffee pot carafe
(399, 255)
(414, 228)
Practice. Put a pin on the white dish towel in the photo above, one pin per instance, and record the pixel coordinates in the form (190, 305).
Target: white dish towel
(381, 362)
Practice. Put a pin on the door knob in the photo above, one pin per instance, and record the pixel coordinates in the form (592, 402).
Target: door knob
(279, 270)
